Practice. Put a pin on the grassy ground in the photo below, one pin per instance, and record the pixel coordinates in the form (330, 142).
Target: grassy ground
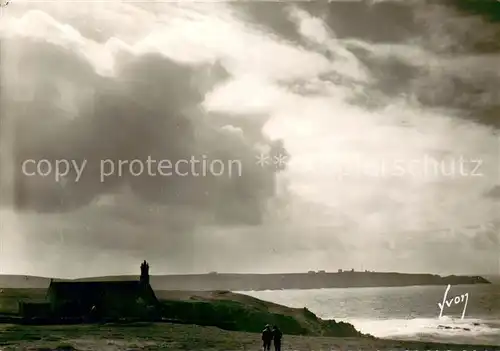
(165, 336)
(226, 310)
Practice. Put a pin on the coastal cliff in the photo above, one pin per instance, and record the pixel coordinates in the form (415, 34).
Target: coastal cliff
(222, 309)
(238, 312)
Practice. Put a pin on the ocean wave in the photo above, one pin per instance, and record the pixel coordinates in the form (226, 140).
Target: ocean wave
(444, 329)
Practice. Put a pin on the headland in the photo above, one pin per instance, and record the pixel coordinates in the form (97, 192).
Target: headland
(309, 280)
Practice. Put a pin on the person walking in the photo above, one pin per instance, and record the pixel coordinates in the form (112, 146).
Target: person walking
(267, 337)
(277, 335)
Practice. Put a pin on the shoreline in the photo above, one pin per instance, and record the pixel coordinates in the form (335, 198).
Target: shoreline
(193, 321)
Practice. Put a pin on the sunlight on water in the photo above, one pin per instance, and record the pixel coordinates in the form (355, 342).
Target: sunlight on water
(402, 312)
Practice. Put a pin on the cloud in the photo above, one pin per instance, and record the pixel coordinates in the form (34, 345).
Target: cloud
(229, 81)
(494, 192)
(141, 112)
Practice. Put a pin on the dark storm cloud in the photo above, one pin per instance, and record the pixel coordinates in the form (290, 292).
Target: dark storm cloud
(150, 109)
(272, 16)
(488, 9)
(380, 22)
(399, 23)
(383, 22)
(494, 192)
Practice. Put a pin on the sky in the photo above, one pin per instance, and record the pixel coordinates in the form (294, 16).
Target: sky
(350, 135)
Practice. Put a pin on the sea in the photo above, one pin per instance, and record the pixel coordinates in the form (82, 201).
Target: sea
(405, 313)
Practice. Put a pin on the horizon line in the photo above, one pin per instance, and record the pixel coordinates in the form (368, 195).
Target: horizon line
(319, 272)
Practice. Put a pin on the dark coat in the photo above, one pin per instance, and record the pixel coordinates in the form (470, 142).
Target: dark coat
(267, 334)
(277, 335)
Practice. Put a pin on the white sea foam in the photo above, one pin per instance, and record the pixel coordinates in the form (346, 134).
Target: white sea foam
(432, 329)
(382, 312)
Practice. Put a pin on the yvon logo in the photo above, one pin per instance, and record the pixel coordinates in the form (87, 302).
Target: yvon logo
(453, 301)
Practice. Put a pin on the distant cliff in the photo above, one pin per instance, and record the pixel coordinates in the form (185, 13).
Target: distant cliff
(247, 282)
(312, 280)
